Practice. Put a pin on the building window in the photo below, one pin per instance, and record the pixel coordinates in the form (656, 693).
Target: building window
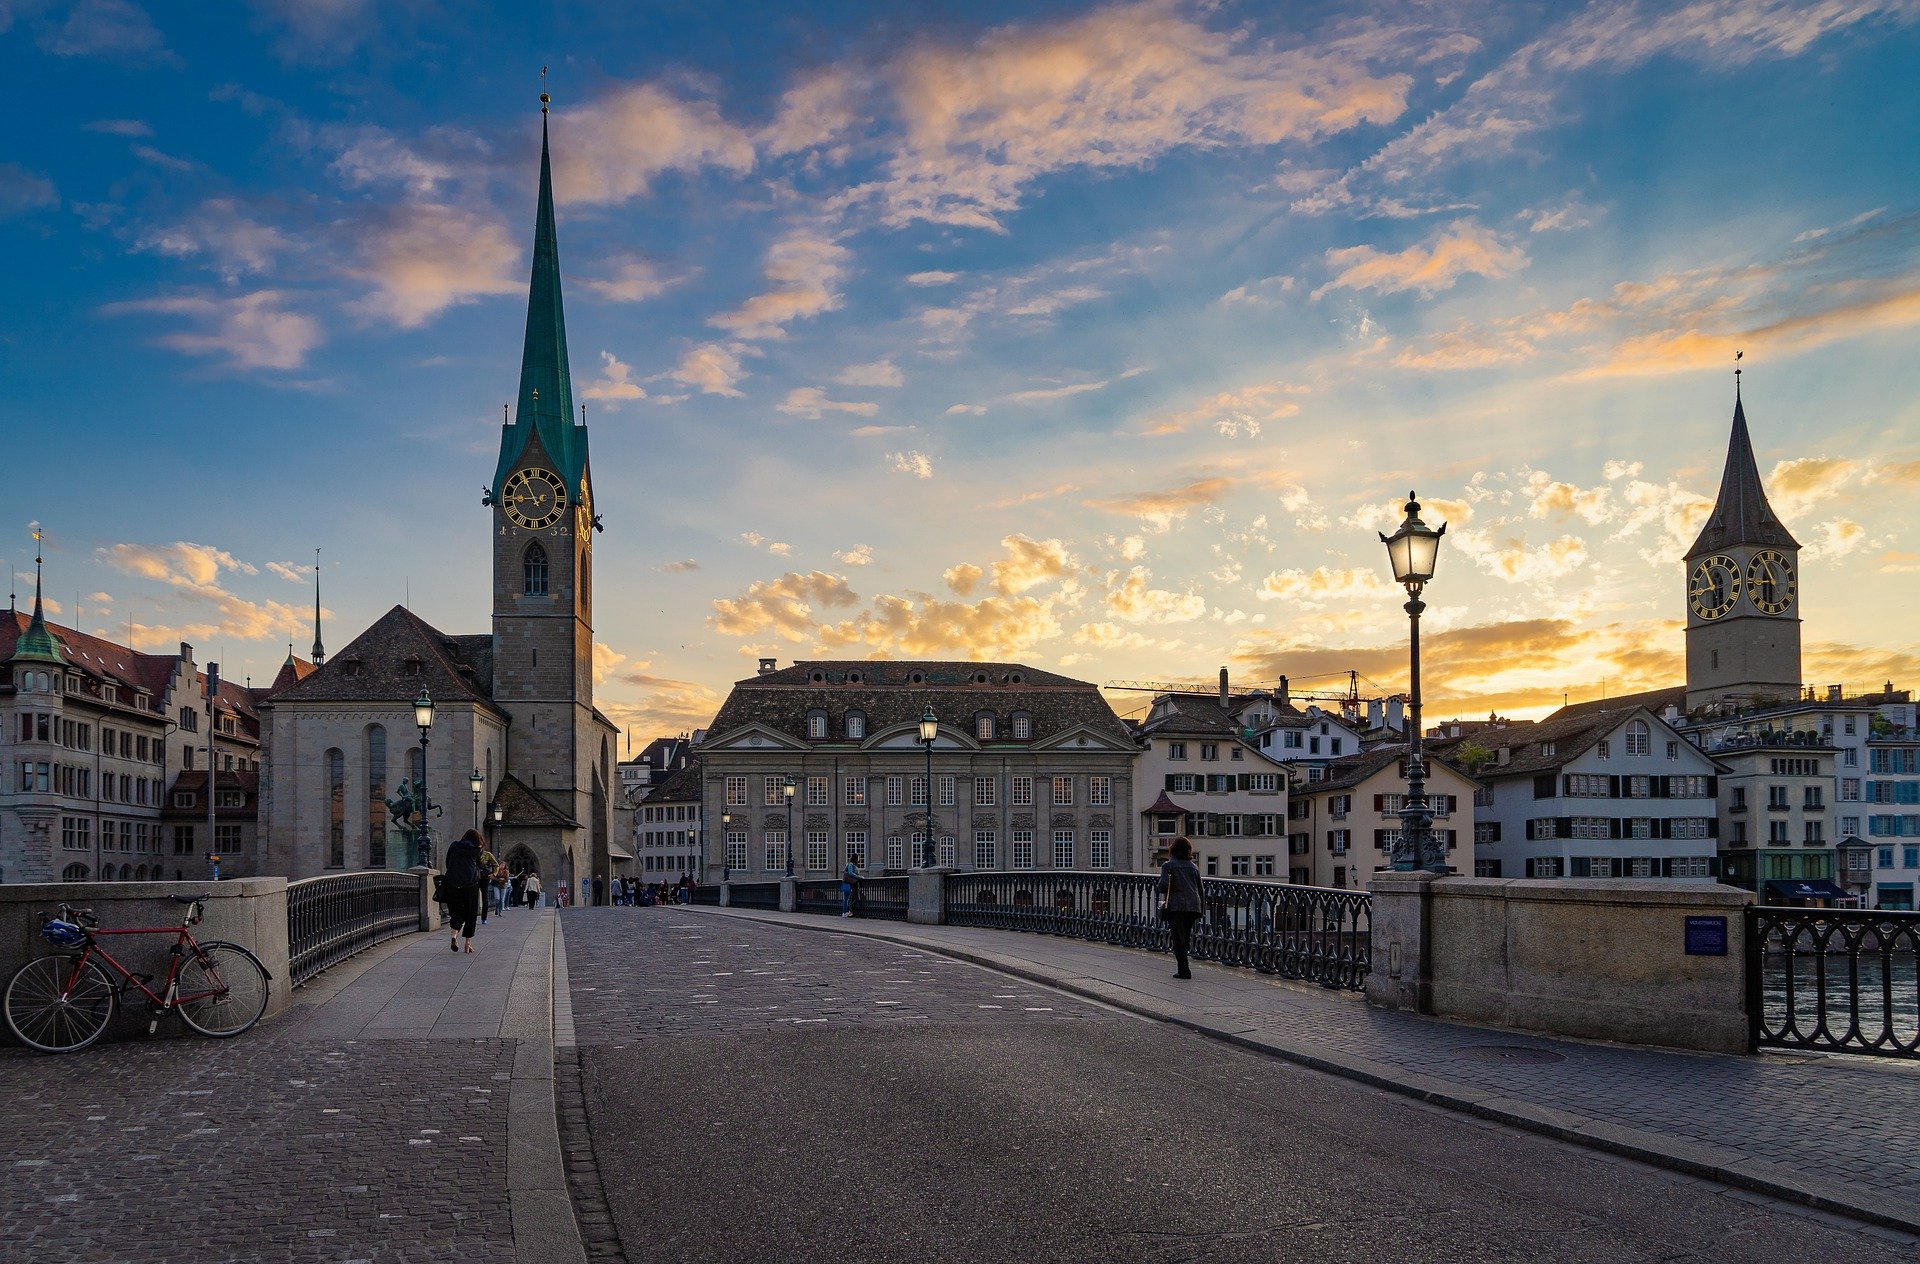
(1639, 738)
(1543, 867)
(183, 840)
(1100, 792)
(984, 791)
(1606, 749)
(776, 851)
(1176, 750)
(336, 762)
(943, 851)
(896, 791)
(737, 792)
(984, 850)
(1022, 727)
(1263, 867)
(226, 838)
(1022, 849)
(816, 792)
(946, 789)
(917, 792)
(1063, 791)
(896, 852)
(983, 727)
(736, 849)
(376, 761)
(1022, 792)
(1263, 782)
(856, 790)
(856, 725)
(1240, 867)
(857, 848)
(1815, 833)
(533, 571)
(74, 873)
(817, 725)
(1063, 849)
(1100, 849)
(770, 792)
(1209, 751)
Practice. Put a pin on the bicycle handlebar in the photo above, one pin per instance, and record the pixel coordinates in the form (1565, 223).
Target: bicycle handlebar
(79, 916)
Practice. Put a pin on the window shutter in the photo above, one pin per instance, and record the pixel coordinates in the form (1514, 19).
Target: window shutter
(1713, 787)
(1616, 828)
(1613, 787)
(1543, 787)
(1379, 802)
(1563, 827)
(1713, 827)
(1380, 840)
(1657, 788)
(1170, 777)
(1496, 831)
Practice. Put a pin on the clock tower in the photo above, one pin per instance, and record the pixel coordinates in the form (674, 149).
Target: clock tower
(543, 525)
(1743, 590)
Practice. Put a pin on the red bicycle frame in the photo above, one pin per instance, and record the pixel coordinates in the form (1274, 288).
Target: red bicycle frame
(168, 996)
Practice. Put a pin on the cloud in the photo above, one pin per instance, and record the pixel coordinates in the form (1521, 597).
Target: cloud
(1900, 473)
(812, 402)
(858, 555)
(105, 28)
(251, 331)
(1835, 537)
(1042, 394)
(422, 258)
(814, 114)
(1266, 292)
(218, 229)
(613, 149)
(804, 269)
(1325, 586)
(917, 464)
(616, 383)
(753, 539)
(288, 571)
(878, 373)
(181, 563)
(933, 278)
(1512, 559)
(120, 127)
(1159, 510)
(666, 705)
(630, 279)
(711, 367)
(1548, 497)
(922, 625)
(1030, 563)
(1116, 88)
(1459, 250)
(1132, 598)
(1232, 413)
(680, 567)
(22, 191)
(209, 612)
(963, 577)
(606, 660)
(1565, 218)
(440, 155)
(1796, 486)
(783, 607)
(1110, 636)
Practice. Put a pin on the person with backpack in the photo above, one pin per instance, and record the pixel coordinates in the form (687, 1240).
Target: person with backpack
(460, 882)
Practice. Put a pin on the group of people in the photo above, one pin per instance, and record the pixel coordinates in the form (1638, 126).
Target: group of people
(633, 893)
(474, 882)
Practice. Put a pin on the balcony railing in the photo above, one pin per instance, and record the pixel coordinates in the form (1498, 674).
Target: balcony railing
(1316, 934)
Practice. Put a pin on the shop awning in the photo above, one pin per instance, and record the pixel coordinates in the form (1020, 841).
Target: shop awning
(1806, 889)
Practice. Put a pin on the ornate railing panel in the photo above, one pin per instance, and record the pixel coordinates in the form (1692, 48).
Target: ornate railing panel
(883, 899)
(707, 893)
(331, 918)
(1317, 934)
(1835, 979)
(760, 895)
(817, 895)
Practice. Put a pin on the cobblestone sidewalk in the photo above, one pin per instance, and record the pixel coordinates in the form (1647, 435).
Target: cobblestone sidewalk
(1834, 1132)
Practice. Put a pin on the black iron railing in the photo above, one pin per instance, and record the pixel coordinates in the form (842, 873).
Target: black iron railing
(879, 898)
(760, 895)
(1835, 979)
(1317, 934)
(706, 893)
(817, 895)
(331, 918)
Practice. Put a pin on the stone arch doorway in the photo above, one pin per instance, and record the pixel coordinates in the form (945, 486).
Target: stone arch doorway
(522, 860)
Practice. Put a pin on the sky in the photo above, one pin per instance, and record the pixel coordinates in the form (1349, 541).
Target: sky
(1100, 337)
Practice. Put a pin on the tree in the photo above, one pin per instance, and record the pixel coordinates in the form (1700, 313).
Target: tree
(1471, 756)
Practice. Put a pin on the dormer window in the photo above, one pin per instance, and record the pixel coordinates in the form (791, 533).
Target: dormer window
(979, 678)
(817, 677)
(816, 725)
(1015, 678)
(856, 725)
(414, 666)
(916, 678)
(983, 727)
(855, 678)
(1022, 727)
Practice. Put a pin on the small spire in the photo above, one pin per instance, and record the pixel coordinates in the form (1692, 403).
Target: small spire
(37, 641)
(319, 650)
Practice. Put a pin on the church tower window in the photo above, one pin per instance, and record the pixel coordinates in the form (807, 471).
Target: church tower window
(533, 571)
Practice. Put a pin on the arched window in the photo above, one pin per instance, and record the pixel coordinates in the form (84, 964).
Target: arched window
(74, 873)
(376, 755)
(856, 725)
(817, 725)
(140, 874)
(336, 809)
(585, 580)
(1639, 738)
(533, 571)
(983, 726)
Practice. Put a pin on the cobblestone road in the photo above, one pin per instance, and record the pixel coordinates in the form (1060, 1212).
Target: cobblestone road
(758, 1092)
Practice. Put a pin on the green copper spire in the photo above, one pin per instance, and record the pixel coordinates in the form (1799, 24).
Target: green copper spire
(37, 641)
(545, 406)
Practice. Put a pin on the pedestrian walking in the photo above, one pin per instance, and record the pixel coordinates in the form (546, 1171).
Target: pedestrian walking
(532, 888)
(1180, 903)
(686, 888)
(487, 863)
(517, 888)
(497, 891)
(849, 887)
(461, 883)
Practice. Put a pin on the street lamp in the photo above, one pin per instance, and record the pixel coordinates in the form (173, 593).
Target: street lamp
(726, 846)
(423, 716)
(1413, 550)
(929, 731)
(786, 788)
(693, 846)
(478, 783)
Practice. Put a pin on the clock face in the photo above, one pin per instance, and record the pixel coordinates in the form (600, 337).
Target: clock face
(534, 499)
(1770, 581)
(1713, 586)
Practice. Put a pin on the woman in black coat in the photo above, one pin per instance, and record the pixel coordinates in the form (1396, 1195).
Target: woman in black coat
(1179, 886)
(460, 883)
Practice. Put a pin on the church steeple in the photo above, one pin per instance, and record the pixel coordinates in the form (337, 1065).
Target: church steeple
(37, 641)
(319, 650)
(545, 406)
(1741, 514)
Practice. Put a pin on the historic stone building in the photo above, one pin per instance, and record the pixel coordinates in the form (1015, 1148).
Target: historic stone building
(1030, 771)
(514, 705)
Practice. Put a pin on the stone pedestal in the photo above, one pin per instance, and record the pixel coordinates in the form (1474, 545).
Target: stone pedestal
(927, 896)
(1402, 974)
(789, 895)
(726, 895)
(429, 911)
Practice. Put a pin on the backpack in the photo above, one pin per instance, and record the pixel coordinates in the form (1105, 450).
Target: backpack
(463, 867)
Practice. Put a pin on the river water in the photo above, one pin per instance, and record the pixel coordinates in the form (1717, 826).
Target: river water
(1882, 1009)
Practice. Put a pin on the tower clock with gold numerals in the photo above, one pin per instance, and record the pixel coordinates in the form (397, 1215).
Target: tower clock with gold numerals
(1713, 586)
(1770, 580)
(534, 499)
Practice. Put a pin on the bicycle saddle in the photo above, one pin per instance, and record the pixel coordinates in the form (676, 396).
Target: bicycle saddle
(190, 899)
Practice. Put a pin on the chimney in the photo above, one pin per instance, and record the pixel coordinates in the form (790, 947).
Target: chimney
(1373, 713)
(1396, 715)
(1833, 693)
(1284, 701)
(1672, 714)
(768, 665)
(1225, 697)
(1503, 756)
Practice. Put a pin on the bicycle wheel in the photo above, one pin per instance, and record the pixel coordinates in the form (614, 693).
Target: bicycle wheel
(55, 1008)
(222, 989)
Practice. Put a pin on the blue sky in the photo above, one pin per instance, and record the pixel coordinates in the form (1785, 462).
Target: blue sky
(1098, 336)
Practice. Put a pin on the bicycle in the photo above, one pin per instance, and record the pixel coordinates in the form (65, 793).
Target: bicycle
(61, 1003)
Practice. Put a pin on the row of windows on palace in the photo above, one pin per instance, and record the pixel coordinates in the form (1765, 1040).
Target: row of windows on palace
(56, 730)
(902, 791)
(143, 837)
(815, 853)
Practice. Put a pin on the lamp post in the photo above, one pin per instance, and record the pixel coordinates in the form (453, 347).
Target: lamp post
(786, 788)
(423, 717)
(726, 847)
(929, 731)
(1413, 550)
(477, 783)
(693, 846)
